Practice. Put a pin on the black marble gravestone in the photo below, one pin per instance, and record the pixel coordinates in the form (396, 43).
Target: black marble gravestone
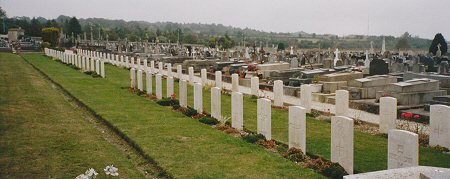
(378, 67)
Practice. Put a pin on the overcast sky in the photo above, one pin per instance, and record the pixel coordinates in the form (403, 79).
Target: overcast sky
(424, 18)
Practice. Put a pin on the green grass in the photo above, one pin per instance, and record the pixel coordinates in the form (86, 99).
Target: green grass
(45, 136)
(184, 147)
(370, 152)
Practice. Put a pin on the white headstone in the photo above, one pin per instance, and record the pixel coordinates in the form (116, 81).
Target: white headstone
(97, 67)
(297, 128)
(102, 68)
(254, 85)
(169, 86)
(145, 65)
(294, 63)
(306, 97)
(403, 149)
(440, 125)
(127, 63)
(159, 86)
(336, 56)
(264, 124)
(198, 97)
(367, 61)
(92, 66)
(278, 93)
(152, 67)
(219, 79)
(139, 80)
(169, 69)
(235, 82)
(204, 76)
(180, 72)
(120, 60)
(161, 67)
(183, 93)
(133, 78)
(342, 142)
(83, 63)
(342, 102)
(191, 75)
(237, 110)
(388, 114)
(216, 103)
(149, 79)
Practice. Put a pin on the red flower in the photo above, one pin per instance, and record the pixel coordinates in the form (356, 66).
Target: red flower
(403, 114)
(174, 96)
(416, 116)
(408, 115)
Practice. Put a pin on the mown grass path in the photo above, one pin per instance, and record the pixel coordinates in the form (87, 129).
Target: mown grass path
(43, 135)
(182, 146)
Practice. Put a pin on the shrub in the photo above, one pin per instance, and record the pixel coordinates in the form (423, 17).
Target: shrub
(168, 102)
(164, 102)
(176, 106)
(295, 155)
(140, 93)
(253, 138)
(190, 112)
(209, 121)
(440, 148)
(335, 171)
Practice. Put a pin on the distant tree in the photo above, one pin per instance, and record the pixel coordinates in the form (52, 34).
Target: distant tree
(50, 35)
(212, 42)
(51, 23)
(438, 39)
(23, 23)
(74, 26)
(158, 32)
(190, 38)
(403, 41)
(280, 46)
(35, 28)
(2, 13)
(223, 42)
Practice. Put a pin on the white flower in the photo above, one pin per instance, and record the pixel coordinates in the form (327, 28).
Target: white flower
(111, 170)
(91, 173)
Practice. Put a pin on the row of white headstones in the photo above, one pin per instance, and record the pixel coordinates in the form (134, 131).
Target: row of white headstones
(86, 62)
(403, 146)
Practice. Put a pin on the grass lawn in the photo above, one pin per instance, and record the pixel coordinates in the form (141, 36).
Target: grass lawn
(184, 147)
(370, 150)
(43, 135)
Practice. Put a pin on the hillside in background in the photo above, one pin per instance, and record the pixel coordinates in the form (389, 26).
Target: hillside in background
(204, 33)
